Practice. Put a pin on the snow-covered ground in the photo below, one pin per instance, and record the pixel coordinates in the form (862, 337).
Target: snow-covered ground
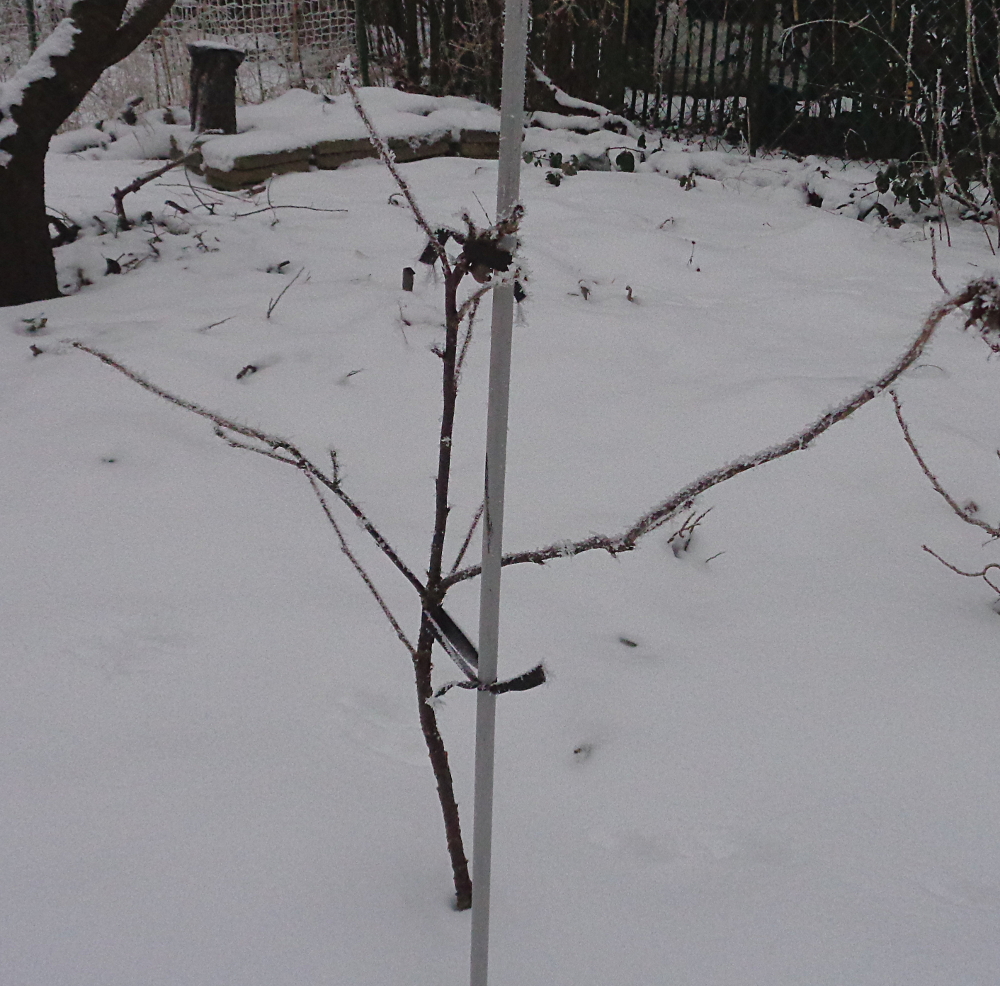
(213, 773)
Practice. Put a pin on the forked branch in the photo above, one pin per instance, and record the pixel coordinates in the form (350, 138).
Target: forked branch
(984, 317)
(971, 575)
(271, 446)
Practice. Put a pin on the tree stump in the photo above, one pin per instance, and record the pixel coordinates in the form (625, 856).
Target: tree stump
(213, 86)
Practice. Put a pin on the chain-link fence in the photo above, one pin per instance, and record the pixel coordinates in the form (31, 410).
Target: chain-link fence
(858, 78)
(288, 43)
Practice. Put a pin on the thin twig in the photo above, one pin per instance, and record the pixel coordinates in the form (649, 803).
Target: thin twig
(932, 479)
(119, 193)
(389, 160)
(474, 299)
(274, 301)
(345, 548)
(468, 538)
(271, 208)
(986, 298)
(971, 575)
(467, 339)
(275, 448)
(934, 264)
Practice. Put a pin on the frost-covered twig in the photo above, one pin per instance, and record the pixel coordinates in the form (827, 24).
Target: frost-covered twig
(274, 447)
(364, 576)
(389, 160)
(471, 306)
(680, 540)
(271, 208)
(984, 297)
(933, 480)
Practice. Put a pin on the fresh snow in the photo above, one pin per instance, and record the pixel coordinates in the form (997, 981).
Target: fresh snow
(302, 119)
(57, 45)
(773, 759)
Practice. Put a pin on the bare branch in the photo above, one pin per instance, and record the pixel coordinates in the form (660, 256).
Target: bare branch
(984, 296)
(119, 193)
(274, 301)
(680, 540)
(271, 208)
(468, 538)
(934, 481)
(216, 419)
(138, 25)
(472, 302)
(277, 446)
(345, 548)
(389, 160)
(467, 338)
(972, 575)
(235, 443)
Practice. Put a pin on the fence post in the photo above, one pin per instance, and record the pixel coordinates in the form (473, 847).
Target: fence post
(29, 13)
(361, 39)
(756, 80)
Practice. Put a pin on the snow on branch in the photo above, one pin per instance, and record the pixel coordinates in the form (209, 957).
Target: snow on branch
(984, 317)
(39, 66)
(601, 113)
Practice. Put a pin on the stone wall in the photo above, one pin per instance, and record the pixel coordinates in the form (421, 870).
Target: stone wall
(252, 169)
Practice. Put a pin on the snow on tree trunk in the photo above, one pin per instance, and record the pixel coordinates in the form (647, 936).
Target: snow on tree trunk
(33, 104)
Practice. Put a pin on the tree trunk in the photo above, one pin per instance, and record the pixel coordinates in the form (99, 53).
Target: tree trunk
(96, 34)
(213, 86)
(27, 267)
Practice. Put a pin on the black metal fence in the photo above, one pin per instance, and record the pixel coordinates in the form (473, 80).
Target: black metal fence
(860, 78)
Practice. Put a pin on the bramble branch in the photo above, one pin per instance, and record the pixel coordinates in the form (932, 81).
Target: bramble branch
(273, 448)
(971, 575)
(983, 296)
(961, 512)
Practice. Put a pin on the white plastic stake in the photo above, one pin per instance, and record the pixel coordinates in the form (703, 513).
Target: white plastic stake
(508, 192)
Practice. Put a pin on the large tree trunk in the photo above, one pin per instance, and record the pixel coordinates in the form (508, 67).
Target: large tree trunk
(27, 268)
(38, 99)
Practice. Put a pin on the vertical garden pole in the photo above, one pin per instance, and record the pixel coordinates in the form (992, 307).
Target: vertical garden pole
(508, 192)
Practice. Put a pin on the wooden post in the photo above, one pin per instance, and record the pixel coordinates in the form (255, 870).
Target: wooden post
(757, 77)
(361, 39)
(213, 86)
(29, 14)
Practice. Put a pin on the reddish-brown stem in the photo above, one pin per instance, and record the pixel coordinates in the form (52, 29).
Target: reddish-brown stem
(449, 397)
(422, 667)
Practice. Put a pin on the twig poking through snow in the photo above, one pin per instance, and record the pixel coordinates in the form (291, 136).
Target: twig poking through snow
(274, 301)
